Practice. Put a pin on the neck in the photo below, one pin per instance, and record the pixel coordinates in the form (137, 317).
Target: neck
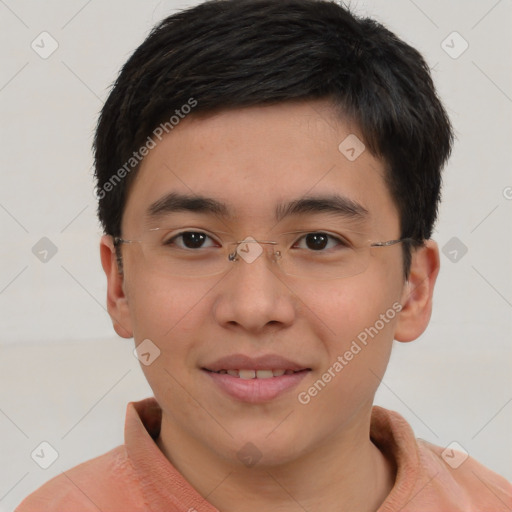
(343, 472)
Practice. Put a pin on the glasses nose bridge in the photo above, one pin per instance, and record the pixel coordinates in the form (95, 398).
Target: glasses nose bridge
(250, 249)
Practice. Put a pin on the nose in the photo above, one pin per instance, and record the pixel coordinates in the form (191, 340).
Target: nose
(253, 295)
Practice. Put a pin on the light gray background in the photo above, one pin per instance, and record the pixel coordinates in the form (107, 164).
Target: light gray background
(66, 377)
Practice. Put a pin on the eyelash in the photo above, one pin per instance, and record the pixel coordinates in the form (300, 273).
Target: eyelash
(340, 240)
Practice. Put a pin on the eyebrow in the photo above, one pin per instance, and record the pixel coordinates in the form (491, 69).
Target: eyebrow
(335, 204)
(341, 206)
(175, 202)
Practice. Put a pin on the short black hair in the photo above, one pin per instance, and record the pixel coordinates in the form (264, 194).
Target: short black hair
(225, 54)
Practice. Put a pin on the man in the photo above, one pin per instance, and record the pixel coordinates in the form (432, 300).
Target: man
(268, 180)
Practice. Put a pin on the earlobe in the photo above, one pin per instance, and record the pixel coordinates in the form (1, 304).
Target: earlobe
(417, 293)
(117, 303)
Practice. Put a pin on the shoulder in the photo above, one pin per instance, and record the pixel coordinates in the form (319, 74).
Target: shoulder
(429, 477)
(102, 483)
(458, 474)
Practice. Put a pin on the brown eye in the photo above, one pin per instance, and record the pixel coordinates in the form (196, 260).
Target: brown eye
(319, 241)
(190, 240)
(316, 241)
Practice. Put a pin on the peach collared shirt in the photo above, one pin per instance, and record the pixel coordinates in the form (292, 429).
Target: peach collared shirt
(136, 476)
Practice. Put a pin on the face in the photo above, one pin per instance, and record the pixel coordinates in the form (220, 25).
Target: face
(337, 332)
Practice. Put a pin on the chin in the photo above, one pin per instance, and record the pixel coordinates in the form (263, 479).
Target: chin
(263, 450)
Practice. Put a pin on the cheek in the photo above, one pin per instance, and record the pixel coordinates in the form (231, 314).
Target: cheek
(169, 313)
(161, 306)
(357, 343)
(358, 317)
(347, 306)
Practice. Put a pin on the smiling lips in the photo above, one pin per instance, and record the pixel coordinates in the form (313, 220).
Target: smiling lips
(257, 379)
(257, 374)
(263, 367)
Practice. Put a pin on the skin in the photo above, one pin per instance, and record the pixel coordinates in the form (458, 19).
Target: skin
(316, 456)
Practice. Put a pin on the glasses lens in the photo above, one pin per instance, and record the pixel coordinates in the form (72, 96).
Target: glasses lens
(190, 252)
(317, 264)
(184, 252)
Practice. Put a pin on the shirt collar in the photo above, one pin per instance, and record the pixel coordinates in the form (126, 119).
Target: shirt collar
(162, 484)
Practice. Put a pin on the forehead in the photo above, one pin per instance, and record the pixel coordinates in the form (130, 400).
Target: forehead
(258, 160)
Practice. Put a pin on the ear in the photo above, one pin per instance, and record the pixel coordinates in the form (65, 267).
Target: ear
(417, 293)
(117, 302)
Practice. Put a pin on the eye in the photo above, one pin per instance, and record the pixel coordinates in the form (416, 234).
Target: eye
(191, 240)
(319, 241)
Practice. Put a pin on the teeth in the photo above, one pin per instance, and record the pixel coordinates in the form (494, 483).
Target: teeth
(247, 374)
(256, 374)
(264, 374)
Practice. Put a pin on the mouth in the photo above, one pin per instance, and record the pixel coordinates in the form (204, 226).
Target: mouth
(254, 379)
(257, 374)
(255, 386)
